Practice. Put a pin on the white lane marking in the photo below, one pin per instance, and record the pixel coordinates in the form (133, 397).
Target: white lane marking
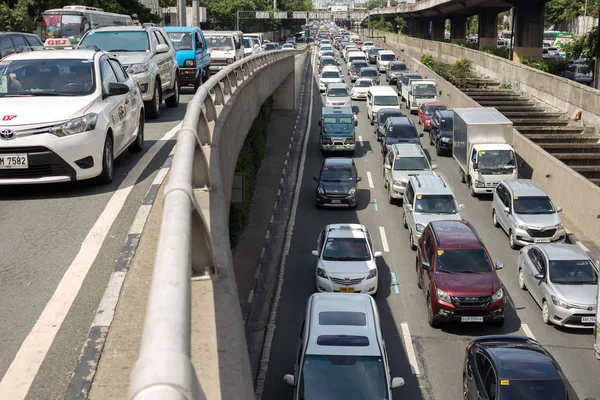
(268, 342)
(140, 219)
(527, 331)
(384, 239)
(108, 304)
(22, 371)
(370, 179)
(160, 176)
(410, 349)
(361, 141)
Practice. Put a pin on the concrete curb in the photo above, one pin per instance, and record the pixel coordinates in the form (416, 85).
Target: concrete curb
(87, 364)
(247, 307)
(571, 238)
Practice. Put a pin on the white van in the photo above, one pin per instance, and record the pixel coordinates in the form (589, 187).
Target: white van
(341, 350)
(354, 56)
(379, 97)
(224, 47)
(384, 57)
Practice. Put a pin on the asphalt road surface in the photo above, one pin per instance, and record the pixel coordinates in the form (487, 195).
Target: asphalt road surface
(436, 370)
(43, 228)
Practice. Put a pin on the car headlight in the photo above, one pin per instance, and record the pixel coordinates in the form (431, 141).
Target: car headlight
(352, 192)
(74, 126)
(320, 190)
(560, 302)
(519, 226)
(498, 295)
(321, 273)
(420, 227)
(559, 226)
(398, 182)
(372, 273)
(189, 63)
(479, 184)
(138, 68)
(443, 296)
(446, 139)
(229, 60)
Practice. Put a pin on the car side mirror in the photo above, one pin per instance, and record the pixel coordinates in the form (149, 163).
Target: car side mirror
(408, 206)
(358, 179)
(378, 254)
(559, 209)
(388, 167)
(499, 265)
(320, 123)
(426, 266)
(434, 166)
(162, 48)
(421, 134)
(315, 253)
(356, 124)
(397, 382)
(539, 276)
(316, 179)
(289, 379)
(506, 209)
(116, 89)
(461, 207)
(475, 166)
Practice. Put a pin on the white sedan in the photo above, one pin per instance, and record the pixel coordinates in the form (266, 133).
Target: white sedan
(66, 115)
(361, 88)
(329, 75)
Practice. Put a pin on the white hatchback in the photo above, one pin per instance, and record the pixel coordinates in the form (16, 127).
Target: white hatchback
(66, 115)
(361, 88)
(346, 260)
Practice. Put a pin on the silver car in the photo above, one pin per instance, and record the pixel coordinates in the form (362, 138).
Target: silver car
(402, 161)
(337, 95)
(526, 213)
(563, 281)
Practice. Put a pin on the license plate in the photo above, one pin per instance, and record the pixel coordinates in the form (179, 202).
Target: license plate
(541, 240)
(346, 290)
(339, 147)
(336, 202)
(588, 319)
(471, 319)
(13, 161)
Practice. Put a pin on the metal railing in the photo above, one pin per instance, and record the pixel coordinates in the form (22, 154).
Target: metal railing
(164, 369)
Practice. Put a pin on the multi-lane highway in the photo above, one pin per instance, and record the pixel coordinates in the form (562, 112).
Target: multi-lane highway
(72, 233)
(430, 360)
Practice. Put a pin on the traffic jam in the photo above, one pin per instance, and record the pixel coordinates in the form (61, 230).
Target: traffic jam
(341, 351)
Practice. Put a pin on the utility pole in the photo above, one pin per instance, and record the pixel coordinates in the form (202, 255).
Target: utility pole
(181, 13)
(597, 63)
(196, 7)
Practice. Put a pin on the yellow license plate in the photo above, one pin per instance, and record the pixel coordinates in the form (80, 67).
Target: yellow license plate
(346, 290)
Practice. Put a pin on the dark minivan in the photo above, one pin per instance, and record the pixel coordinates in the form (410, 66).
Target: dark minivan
(382, 116)
(337, 183)
(399, 130)
(441, 131)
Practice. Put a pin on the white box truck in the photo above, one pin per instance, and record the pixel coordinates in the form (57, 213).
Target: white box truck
(482, 147)
(420, 91)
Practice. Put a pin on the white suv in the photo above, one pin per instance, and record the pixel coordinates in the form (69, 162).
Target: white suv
(346, 260)
(148, 55)
(341, 351)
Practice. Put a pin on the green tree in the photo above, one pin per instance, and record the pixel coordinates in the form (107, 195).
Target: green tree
(584, 47)
(401, 24)
(558, 11)
(474, 25)
(19, 18)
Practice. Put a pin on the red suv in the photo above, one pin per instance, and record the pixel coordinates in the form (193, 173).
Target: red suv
(456, 273)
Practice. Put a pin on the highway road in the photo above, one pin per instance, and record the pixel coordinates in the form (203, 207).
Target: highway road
(434, 368)
(44, 236)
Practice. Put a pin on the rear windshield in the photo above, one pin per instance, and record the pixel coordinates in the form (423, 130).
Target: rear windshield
(359, 64)
(364, 83)
(337, 92)
(547, 389)
(446, 124)
(388, 57)
(369, 73)
(330, 74)
(430, 110)
(386, 100)
(398, 67)
(384, 116)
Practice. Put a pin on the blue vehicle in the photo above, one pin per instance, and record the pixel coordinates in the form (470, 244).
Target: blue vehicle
(192, 55)
(337, 129)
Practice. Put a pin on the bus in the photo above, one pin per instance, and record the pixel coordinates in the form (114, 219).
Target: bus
(558, 38)
(71, 22)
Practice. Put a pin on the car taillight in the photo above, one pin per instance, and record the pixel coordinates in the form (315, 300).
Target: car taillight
(471, 345)
(327, 141)
(350, 140)
(521, 251)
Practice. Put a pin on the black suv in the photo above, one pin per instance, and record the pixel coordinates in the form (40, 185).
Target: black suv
(337, 183)
(382, 116)
(512, 367)
(393, 71)
(398, 130)
(441, 130)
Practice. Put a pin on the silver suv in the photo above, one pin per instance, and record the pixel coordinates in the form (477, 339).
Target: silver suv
(526, 213)
(147, 54)
(402, 161)
(427, 198)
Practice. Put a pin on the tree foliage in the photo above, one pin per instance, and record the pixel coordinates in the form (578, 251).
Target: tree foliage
(558, 11)
(18, 18)
(584, 47)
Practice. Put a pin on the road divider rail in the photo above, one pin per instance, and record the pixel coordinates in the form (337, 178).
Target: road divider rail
(164, 368)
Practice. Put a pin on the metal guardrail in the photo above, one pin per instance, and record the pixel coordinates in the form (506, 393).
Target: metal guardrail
(164, 369)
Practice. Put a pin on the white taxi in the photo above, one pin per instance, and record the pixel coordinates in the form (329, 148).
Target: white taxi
(346, 260)
(65, 115)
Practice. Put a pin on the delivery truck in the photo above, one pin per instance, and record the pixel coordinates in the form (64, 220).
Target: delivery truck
(482, 147)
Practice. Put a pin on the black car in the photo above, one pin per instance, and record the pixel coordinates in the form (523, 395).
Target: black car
(337, 183)
(372, 54)
(354, 70)
(393, 71)
(370, 72)
(441, 130)
(17, 42)
(514, 368)
(398, 130)
(382, 116)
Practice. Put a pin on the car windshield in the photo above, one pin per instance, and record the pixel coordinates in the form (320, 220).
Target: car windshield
(340, 377)
(326, 48)
(446, 124)
(328, 54)
(573, 272)
(374, 50)
(402, 132)
(181, 41)
(269, 46)
(248, 43)
(384, 116)
(388, 57)
(68, 26)
(117, 41)
(367, 44)
(422, 89)
(338, 120)
(385, 100)
(219, 42)
(496, 160)
(364, 83)
(337, 92)
(411, 164)
(330, 74)
(346, 249)
(429, 110)
(398, 67)
(463, 261)
(435, 204)
(337, 173)
(546, 389)
(369, 73)
(358, 65)
(327, 61)
(533, 205)
(56, 77)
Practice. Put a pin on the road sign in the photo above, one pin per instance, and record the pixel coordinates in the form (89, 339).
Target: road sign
(299, 15)
(262, 15)
(280, 15)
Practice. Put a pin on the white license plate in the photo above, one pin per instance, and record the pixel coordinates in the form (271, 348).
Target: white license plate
(13, 161)
(339, 147)
(471, 319)
(588, 319)
(336, 202)
(541, 240)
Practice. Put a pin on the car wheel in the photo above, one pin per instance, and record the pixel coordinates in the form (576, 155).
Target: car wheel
(153, 106)
(438, 150)
(433, 322)
(465, 388)
(495, 219)
(198, 82)
(411, 241)
(173, 101)
(522, 283)
(419, 121)
(545, 313)
(404, 223)
(419, 285)
(511, 240)
(391, 199)
(472, 189)
(106, 176)
(138, 143)
(431, 140)
(463, 177)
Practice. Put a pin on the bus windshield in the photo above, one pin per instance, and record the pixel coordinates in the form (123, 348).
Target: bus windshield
(68, 26)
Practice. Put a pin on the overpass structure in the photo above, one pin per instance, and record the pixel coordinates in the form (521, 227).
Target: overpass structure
(426, 20)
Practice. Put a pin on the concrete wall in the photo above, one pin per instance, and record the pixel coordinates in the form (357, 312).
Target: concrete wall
(578, 196)
(562, 94)
(578, 26)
